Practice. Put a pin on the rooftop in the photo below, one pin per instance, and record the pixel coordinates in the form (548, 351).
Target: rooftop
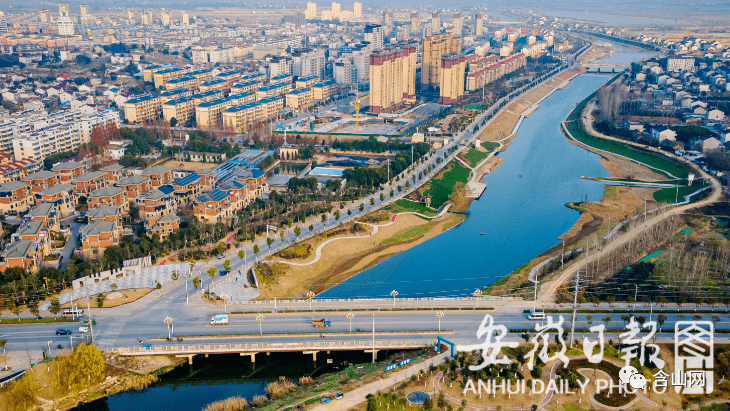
(17, 249)
(97, 227)
(56, 189)
(29, 228)
(101, 212)
(133, 179)
(106, 192)
(155, 170)
(70, 165)
(40, 175)
(12, 186)
(90, 176)
(41, 210)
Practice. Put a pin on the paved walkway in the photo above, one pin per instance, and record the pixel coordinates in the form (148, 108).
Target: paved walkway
(318, 251)
(357, 396)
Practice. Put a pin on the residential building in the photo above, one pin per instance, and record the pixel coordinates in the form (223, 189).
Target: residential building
(97, 236)
(680, 64)
(392, 77)
(89, 182)
(175, 94)
(273, 90)
(357, 10)
(436, 22)
(186, 188)
(45, 212)
(242, 116)
(114, 172)
(69, 170)
(108, 196)
(158, 175)
(40, 180)
(222, 203)
(299, 98)
(453, 73)
(134, 186)
(479, 21)
(308, 62)
(142, 108)
(161, 77)
(324, 90)
(375, 35)
(165, 225)
(181, 109)
(415, 23)
(61, 196)
(157, 203)
(280, 66)
(434, 48)
(458, 29)
(21, 254)
(15, 197)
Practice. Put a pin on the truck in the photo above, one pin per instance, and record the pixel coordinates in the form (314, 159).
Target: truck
(321, 322)
(219, 319)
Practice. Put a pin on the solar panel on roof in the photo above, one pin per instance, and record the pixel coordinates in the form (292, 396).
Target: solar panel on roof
(183, 181)
(218, 195)
(166, 189)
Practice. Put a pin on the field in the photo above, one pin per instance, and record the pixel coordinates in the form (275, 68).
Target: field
(122, 297)
(474, 156)
(404, 206)
(410, 234)
(489, 145)
(441, 188)
(669, 195)
(654, 160)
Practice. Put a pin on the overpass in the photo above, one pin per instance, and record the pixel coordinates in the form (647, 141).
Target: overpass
(251, 349)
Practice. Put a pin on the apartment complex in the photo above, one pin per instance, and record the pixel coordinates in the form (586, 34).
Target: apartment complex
(453, 70)
(434, 48)
(392, 77)
(142, 108)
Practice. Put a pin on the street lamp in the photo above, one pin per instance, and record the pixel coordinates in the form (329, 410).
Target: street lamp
(350, 316)
(168, 321)
(439, 315)
(394, 293)
(310, 295)
(478, 295)
(260, 317)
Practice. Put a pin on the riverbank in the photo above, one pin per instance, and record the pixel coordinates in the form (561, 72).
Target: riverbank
(359, 247)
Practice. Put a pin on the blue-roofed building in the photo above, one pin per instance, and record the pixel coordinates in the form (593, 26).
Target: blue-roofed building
(157, 203)
(222, 203)
(186, 188)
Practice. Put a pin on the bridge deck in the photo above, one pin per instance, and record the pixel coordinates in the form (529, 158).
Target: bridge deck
(249, 348)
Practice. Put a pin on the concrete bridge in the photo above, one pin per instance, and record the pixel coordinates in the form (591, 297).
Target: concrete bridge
(605, 68)
(251, 349)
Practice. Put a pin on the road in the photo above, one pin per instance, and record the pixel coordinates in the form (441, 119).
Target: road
(70, 245)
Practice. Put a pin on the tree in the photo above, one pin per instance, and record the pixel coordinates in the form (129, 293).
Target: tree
(241, 254)
(297, 231)
(113, 287)
(255, 249)
(361, 207)
(428, 404)
(281, 234)
(372, 201)
(211, 272)
(22, 394)
(441, 402)
(33, 308)
(660, 319)
(173, 122)
(196, 283)
(589, 318)
(324, 218)
(174, 275)
(382, 197)
(372, 403)
(269, 241)
(83, 60)
(337, 215)
(227, 265)
(349, 212)
(311, 227)
(55, 307)
(100, 298)
(607, 320)
(221, 248)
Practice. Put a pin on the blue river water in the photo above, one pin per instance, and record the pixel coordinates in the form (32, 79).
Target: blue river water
(521, 213)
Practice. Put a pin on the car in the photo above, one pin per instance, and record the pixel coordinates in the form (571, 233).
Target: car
(63, 331)
(64, 230)
(325, 400)
(339, 395)
(224, 272)
(220, 256)
(83, 329)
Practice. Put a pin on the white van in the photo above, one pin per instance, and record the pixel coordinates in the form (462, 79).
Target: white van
(536, 316)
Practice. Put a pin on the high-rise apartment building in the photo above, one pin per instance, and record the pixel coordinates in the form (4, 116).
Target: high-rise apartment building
(434, 48)
(436, 22)
(336, 11)
(458, 24)
(130, 17)
(414, 22)
(166, 18)
(453, 72)
(85, 18)
(342, 71)
(308, 62)
(185, 19)
(44, 16)
(357, 11)
(3, 23)
(388, 19)
(479, 21)
(374, 34)
(311, 12)
(65, 24)
(392, 77)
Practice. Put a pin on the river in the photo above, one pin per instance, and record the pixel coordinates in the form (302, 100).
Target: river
(521, 213)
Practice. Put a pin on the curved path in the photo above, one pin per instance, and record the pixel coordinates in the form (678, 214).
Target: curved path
(318, 251)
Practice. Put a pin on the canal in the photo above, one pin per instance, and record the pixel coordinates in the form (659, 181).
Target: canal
(521, 213)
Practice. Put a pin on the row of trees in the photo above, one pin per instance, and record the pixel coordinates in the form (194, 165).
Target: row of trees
(371, 145)
(375, 177)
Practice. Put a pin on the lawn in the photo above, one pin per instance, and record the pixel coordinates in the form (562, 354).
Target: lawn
(404, 206)
(652, 159)
(6, 321)
(489, 145)
(408, 235)
(669, 195)
(442, 188)
(474, 156)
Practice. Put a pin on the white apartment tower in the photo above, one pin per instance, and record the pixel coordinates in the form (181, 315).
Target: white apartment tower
(65, 24)
(336, 11)
(357, 12)
(414, 22)
(374, 34)
(458, 24)
(436, 22)
(311, 12)
(479, 31)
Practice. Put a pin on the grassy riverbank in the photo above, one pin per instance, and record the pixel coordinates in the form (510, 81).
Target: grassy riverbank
(441, 187)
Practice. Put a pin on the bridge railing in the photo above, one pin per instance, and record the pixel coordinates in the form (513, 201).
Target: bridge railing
(183, 349)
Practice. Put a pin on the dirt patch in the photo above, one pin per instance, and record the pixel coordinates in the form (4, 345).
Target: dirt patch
(519, 106)
(127, 296)
(188, 165)
(120, 365)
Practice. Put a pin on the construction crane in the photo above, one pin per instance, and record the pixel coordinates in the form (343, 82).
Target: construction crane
(358, 100)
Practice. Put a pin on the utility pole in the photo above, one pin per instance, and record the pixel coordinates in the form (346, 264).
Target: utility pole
(373, 338)
(562, 256)
(575, 307)
(91, 322)
(636, 293)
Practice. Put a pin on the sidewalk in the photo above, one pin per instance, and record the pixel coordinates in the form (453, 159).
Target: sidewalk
(356, 396)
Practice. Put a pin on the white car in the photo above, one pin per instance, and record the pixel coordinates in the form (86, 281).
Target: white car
(83, 329)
